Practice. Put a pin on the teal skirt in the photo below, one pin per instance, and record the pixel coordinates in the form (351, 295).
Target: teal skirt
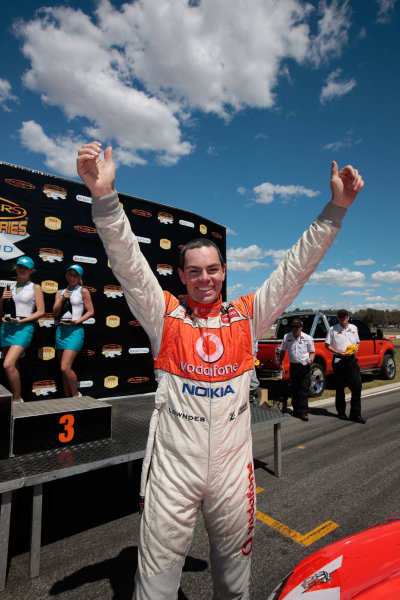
(16, 334)
(69, 337)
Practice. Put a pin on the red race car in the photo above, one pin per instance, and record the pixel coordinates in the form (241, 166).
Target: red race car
(363, 566)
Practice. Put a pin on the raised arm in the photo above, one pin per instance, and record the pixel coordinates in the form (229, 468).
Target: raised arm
(142, 291)
(286, 282)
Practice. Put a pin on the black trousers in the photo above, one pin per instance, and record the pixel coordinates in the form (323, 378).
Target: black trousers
(347, 373)
(300, 384)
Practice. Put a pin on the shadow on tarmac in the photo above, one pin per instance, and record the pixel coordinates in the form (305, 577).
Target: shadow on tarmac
(321, 411)
(120, 572)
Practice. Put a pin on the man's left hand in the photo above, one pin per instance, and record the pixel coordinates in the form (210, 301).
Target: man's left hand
(345, 185)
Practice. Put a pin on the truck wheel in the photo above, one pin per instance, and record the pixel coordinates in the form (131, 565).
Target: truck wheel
(388, 368)
(318, 380)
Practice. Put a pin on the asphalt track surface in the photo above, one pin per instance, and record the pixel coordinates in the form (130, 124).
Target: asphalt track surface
(335, 472)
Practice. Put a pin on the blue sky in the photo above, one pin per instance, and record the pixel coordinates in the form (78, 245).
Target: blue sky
(230, 109)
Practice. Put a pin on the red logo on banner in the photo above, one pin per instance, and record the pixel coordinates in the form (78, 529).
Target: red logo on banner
(86, 352)
(21, 184)
(135, 323)
(85, 229)
(141, 213)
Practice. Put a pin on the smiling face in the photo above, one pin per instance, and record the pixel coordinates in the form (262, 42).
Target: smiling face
(203, 274)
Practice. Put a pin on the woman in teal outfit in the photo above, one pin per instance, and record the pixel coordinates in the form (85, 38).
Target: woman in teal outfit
(69, 333)
(17, 332)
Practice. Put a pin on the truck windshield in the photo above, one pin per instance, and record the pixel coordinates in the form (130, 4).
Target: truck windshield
(284, 324)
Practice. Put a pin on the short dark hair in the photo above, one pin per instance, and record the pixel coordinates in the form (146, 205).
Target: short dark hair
(199, 243)
(342, 313)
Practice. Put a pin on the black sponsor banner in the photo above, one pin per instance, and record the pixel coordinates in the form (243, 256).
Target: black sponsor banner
(49, 219)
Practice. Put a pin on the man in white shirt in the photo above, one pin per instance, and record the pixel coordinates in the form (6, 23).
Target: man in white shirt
(345, 365)
(300, 347)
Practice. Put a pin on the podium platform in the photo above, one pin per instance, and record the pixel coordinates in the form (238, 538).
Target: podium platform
(46, 424)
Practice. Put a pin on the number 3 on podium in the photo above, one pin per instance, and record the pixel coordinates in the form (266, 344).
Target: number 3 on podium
(69, 432)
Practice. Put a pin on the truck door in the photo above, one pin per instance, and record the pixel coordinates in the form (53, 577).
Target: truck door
(367, 354)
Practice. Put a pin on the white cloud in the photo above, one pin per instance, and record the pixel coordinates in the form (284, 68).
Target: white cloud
(232, 289)
(338, 277)
(360, 263)
(313, 303)
(6, 95)
(386, 276)
(246, 265)
(212, 150)
(277, 255)
(247, 259)
(353, 293)
(266, 192)
(382, 306)
(254, 252)
(333, 28)
(135, 73)
(60, 153)
(334, 88)
(347, 142)
(230, 231)
(374, 299)
(397, 266)
(385, 11)
(86, 77)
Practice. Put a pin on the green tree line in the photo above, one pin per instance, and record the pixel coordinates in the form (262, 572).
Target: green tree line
(370, 316)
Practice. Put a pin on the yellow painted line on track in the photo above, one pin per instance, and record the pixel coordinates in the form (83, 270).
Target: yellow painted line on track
(306, 539)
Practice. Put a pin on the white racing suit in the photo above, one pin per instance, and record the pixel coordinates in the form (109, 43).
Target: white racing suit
(202, 450)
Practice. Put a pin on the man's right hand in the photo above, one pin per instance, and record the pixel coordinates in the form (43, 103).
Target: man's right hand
(98, 175)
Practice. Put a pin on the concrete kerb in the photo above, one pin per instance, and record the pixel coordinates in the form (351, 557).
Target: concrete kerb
(370, 392)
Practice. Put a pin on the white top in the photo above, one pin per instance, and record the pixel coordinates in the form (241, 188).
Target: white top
(298, 349)
(76, 302)
(340, 338)
(24, 300)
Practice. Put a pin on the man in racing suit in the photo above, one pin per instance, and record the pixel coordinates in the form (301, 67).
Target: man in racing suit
(200, 432)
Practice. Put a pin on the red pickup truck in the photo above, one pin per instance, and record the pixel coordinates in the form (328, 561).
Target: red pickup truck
(375, 354)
